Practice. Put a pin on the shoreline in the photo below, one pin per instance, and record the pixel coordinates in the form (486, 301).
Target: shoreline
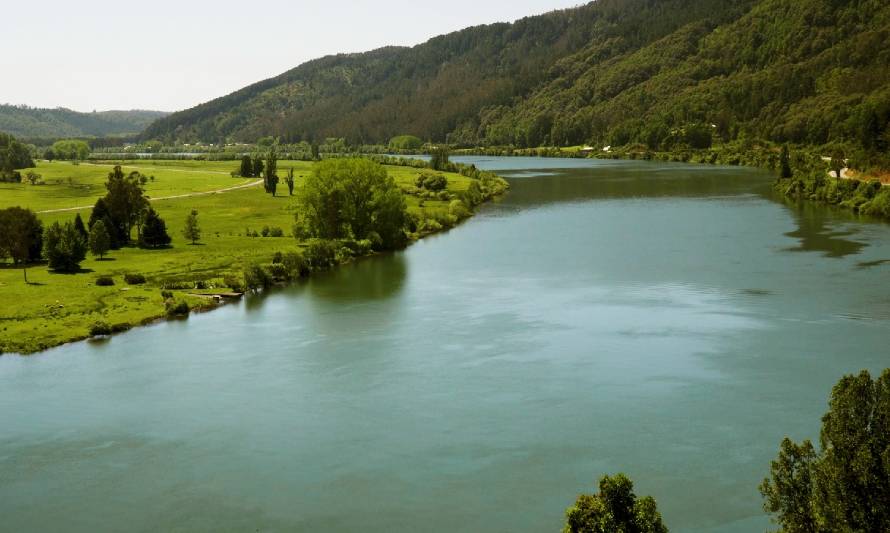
(203, 302)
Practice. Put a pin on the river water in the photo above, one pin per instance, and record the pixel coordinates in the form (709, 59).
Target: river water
(668, 321)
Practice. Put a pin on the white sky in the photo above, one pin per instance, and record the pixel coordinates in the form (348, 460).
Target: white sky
(170, 55)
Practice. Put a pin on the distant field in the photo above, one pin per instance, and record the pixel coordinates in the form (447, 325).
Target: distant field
(58, 308)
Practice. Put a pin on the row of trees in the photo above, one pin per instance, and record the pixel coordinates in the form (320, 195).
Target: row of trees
(841, 487)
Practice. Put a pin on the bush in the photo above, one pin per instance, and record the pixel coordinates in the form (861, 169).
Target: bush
(277, 272)
(277, 258)
(134, 279)
(176, 307)
(431, 181)
(276, 232)
(321, 254)
(295, 265)
(265, 231)
(256, 277)
(104, 281)
(166, 295)
(100, 329)
(234, 282)
(458, 209)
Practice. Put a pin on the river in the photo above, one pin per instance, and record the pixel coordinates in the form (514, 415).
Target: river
(669, 321)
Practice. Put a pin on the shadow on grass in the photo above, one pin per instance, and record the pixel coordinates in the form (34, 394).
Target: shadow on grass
(106, 259)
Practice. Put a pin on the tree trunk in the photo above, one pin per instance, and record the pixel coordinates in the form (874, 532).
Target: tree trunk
(25, 272)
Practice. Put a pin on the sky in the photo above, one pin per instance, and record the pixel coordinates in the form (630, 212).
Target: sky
(171, 55)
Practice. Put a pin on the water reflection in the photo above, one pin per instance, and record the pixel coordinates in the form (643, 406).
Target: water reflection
(633, 180)
(817, 230)
(369, 279)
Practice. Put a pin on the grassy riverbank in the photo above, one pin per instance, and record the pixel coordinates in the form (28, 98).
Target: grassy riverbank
(54, 308)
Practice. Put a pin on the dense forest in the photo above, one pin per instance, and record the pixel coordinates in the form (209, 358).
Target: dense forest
(659, 73)
(29, 122)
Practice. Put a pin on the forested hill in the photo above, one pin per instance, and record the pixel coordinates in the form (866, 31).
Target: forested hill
(612, 71)
(28, 122)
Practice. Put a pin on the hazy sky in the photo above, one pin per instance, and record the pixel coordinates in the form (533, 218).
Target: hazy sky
(170, 55)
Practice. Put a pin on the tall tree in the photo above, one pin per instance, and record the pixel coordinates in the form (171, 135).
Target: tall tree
(64, 247)
(616, 509)
(154, 231)
(192, 231)
(21, 237)
(125, 201)
(100, 241)
(80, 227)
(246, 167)
(845, 486)
(290, 181)
(271, 176)
(258, 166)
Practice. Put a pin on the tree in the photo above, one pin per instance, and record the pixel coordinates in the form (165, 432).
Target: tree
(49, 155)
(290, 181)
(21, 237)
(314, 152)
(845, 486)
(71, 149)
(80, 227)
(405, 142)
(785, 163)
(125, 201)
(615, 509)
(64, 247)
(100, 212)
(154, 231)
(439, 158)
(352, 199)
(271, 176)
(100, 241)
(13, 154)
(246, 167)
(258, 166)
(192, 231)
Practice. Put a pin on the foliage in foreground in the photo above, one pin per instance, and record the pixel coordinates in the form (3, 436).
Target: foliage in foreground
(616, 509)
(845, 485)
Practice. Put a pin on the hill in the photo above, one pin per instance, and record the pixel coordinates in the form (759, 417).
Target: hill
(612, 71)
(28, 122)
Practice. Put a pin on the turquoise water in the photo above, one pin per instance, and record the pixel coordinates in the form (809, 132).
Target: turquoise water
(668, 321)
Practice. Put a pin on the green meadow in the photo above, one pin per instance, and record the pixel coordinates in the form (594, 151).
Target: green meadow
(58, 308)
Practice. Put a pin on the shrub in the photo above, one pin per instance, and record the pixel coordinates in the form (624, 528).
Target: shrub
(134, 279)
(234, 282)
(104, 281)
(277, 258)
(176, 307)
(256, 277)
(100, 329)
(431, 181)
(276, 232)
(458, 209)
(295, 265)
(277, 272)
(202, 285)
(321, 254)
(265, 231)
(166, 295)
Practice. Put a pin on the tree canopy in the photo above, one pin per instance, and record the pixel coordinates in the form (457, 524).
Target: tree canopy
(13, 154)
(352, 199)
(616, 509)
(845, 485)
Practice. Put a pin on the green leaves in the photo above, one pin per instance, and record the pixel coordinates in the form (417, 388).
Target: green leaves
(615, 509)
(846, 485)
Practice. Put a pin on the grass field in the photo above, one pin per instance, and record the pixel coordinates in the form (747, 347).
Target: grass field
(58, 308)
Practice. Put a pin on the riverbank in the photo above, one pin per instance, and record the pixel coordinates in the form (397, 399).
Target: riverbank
(241, 225)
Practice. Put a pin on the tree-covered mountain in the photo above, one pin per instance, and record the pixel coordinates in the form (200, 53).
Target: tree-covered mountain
(614, 71)
(29, 122)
